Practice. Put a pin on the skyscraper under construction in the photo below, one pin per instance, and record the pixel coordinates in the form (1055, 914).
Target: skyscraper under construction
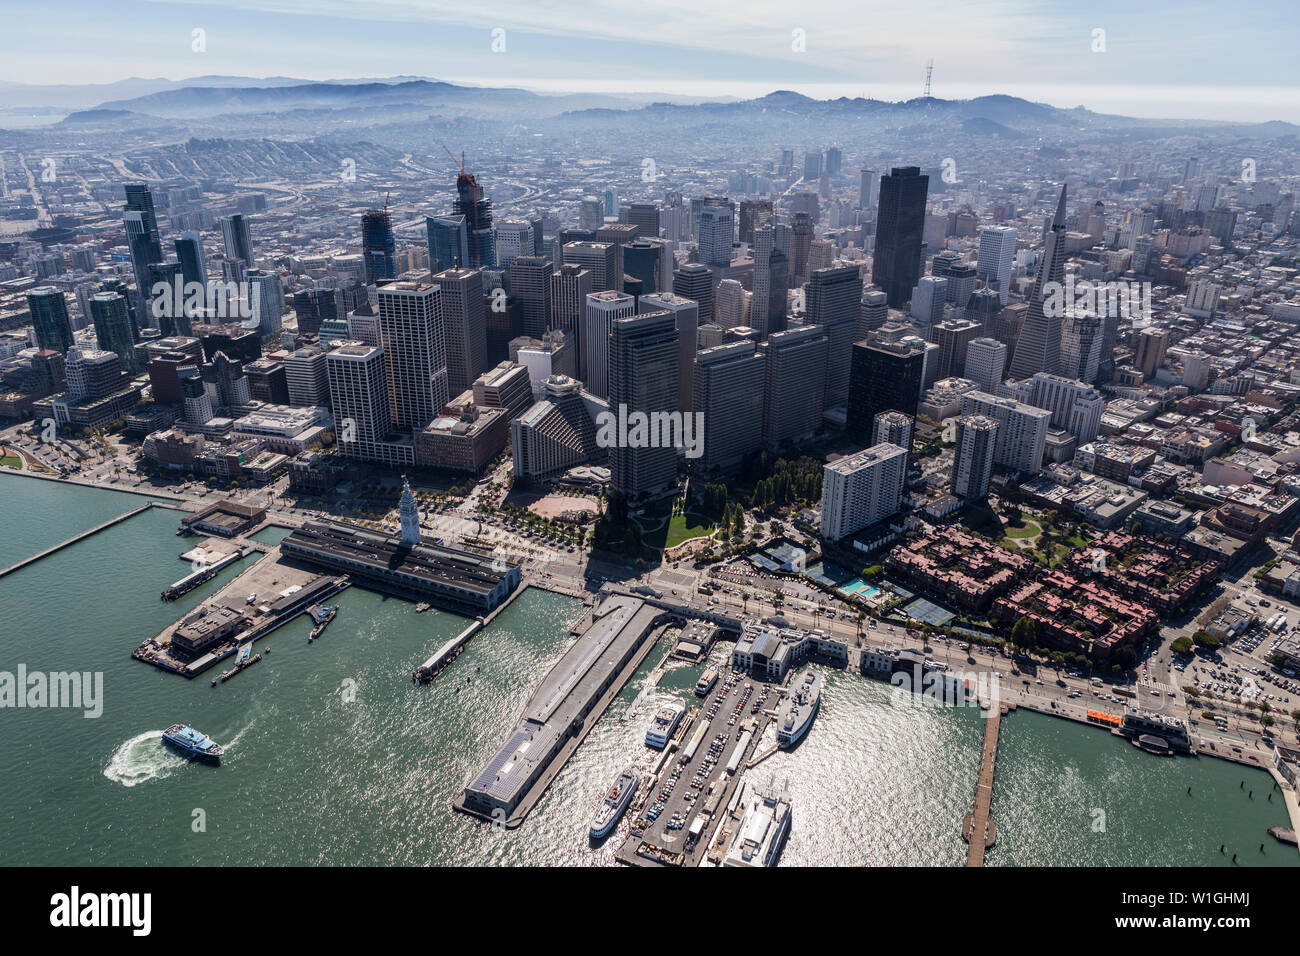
(477, 210)
(377, 245)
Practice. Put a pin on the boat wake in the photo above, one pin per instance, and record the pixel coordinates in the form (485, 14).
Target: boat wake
(647, 693)
(142, 758)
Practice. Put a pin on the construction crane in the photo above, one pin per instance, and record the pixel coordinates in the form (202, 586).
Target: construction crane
(453, 157)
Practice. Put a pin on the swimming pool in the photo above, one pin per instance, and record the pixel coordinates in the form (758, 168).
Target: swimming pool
(859, 587)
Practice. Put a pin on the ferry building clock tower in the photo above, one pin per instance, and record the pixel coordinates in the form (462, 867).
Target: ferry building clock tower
(410, 513)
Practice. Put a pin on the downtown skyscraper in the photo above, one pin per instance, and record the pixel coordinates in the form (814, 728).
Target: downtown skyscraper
(236, 239)
(997, 250)
(643, 357)
(377, 246)
(603, 308)
(142, 236)
(1038, 348)
(49, 310)
(476, 209)
(413, 331)
(896, 263)
(570, 286)
(465, 326)
(448, 242)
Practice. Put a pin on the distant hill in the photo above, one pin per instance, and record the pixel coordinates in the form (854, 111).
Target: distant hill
(286, 105)
(198, 102)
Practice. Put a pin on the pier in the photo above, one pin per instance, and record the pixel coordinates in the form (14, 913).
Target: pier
(290, 589)
(451, 650)
(79, 537)
(194, 579)
(978, 829)
(615, 638)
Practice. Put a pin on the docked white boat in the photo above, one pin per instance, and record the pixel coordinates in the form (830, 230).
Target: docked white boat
(617, 798)
(664, 725)
(799, 709)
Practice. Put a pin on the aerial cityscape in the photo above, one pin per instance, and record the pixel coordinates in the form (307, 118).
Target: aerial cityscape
(621, 447)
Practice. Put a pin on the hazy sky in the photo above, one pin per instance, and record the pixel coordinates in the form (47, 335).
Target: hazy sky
(1188, 59)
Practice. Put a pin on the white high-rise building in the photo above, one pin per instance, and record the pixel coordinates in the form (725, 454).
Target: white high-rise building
(1075, 406)
(513, 239)
(1022, 430)
(307, 374)
(928, 300)
(972, 463)
(1202, 299)
(986, 360)
(729, 305)
(717, 230)
(893, 428)
(996, 252)
(862, 489)
(412, 330)
(265, 300)
(1196, 370)
(359, 398)
(602, 309)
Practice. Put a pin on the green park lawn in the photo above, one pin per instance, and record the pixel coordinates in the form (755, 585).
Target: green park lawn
(1025, 529)
(684, 527)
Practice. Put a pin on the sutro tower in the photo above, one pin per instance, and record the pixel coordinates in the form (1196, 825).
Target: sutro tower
(929, 71)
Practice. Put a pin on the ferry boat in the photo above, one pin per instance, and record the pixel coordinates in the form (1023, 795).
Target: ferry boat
(615, 803)
(758, 839)
(192, 743)
(665, 723)
(800, 707)
(706, 682)
(1157, 733)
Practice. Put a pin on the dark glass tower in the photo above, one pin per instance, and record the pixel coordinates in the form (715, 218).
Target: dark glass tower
(49, 308)
(883, 377)
(313, 307)
(189, 253)
(378, 246)
(237, 239)
(694, 281)
(448, 242)
(900, 224)
(142, 235)
(108, 310)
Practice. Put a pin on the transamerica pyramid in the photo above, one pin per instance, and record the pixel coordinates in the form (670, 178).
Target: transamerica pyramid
(1039, 347)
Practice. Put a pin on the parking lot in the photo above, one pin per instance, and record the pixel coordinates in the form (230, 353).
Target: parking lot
(689, 784)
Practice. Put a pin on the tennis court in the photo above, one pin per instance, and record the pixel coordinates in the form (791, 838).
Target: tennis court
(927, 612)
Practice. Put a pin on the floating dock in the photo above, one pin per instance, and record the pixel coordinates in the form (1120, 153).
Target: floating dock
(322, 615)
(201, 576)
(244, 662)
